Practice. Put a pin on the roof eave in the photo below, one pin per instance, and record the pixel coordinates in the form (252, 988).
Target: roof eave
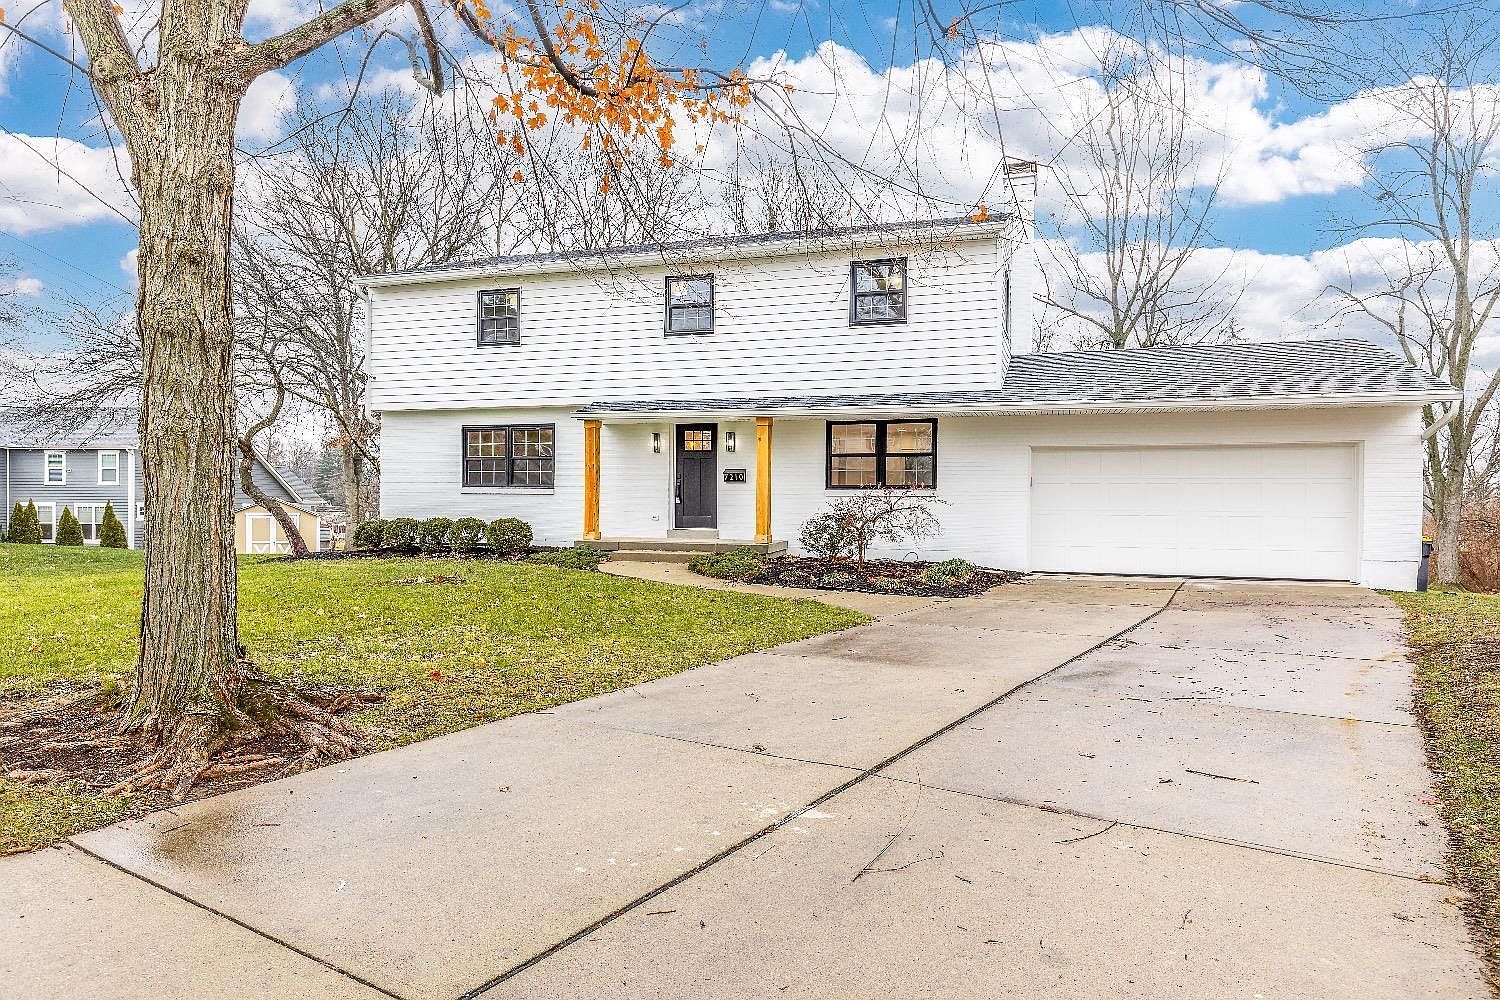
(1023, 408)
(589, 263)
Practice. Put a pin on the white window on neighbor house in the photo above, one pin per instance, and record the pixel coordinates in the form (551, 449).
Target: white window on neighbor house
(46, 517)
(109, 468)
(55, 468)
(90, 517)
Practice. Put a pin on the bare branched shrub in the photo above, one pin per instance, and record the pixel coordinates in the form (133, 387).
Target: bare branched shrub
(851, 526)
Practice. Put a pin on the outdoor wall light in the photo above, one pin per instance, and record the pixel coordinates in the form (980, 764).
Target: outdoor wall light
(729, 440)
(656, 442)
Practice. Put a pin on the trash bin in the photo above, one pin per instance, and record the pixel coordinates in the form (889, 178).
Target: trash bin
(1422, 566)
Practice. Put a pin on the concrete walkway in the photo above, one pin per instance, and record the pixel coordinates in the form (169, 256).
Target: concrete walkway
(1225, 797)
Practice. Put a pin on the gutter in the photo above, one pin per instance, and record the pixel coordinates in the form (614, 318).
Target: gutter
(1025, 408)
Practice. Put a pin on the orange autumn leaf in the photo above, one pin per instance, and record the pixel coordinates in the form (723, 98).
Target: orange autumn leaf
(980, 214)
(518, 177)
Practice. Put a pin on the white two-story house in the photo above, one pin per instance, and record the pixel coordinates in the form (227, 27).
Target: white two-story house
(732, 389)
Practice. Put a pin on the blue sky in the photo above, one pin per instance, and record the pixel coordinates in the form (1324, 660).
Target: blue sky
(1283, 197)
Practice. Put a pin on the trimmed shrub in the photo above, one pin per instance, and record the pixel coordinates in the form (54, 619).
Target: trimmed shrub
(949, 572)
(827, 536)
(435, 534)
(401, 533)
(25, 529)
(17, 519)
(370, 535)
(509, 535)
(111, 531)
(736, 564)
(578, 557)
(69, 531)
(467, 534)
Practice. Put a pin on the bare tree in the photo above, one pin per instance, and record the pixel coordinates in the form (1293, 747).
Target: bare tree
(391, 183)
(1429, 181)
(175, 101)
(1138, 208)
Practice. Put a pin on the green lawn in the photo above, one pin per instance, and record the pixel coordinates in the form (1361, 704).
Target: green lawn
(508, 638)
(1457, 638)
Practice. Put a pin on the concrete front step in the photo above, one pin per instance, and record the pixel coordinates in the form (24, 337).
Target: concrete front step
(653, 556)
(691, 546)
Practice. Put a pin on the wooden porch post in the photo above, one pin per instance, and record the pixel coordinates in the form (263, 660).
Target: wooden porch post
(762, 479)
(591, 480)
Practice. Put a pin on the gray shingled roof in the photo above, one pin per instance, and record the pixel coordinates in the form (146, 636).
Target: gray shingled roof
(111, 427)
(697, 245)
(305, 493)
(1296, 369)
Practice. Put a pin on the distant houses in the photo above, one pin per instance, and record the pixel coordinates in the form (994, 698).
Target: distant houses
(99, 464)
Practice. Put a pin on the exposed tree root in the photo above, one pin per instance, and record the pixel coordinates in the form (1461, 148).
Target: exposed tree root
(210, 744)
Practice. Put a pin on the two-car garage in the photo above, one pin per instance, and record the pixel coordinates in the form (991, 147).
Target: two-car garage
(1272, 512)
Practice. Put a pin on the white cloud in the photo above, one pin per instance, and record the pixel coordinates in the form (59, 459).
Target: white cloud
(43, 181)
(265, 104)
(131, 265)
(25, 286)
(953, 122)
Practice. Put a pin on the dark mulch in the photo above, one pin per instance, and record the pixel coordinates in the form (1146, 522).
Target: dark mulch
(876, 576)
(477, 555)
(68, 738)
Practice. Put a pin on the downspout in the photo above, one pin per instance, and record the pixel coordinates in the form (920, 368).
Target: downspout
(1441, 422)
(130, 499)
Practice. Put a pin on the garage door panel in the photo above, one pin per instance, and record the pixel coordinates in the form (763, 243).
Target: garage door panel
(1261, 511)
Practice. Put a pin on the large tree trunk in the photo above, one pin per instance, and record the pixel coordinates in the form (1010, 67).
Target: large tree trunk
(354, 499)
(185, 682)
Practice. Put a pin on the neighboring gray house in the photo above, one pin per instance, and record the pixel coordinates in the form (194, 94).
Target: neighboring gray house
(100, 464)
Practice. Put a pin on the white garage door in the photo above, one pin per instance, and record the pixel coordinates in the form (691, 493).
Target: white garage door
(1269, 512)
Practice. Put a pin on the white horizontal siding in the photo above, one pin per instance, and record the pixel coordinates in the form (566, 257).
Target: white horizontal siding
(781, 326)
(984, 472)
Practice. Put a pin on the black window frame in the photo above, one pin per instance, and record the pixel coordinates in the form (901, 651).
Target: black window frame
(855, 294)
(666, 320)
(880, 453)
(479, 340)
(510, 456)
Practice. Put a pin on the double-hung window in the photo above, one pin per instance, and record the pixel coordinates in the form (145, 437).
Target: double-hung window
(109, 468)
(499, 318)
(865, 454)
(46, 517)
(690, 304)
(521, 455)
(55, 468)
(90, 517)
(877, 291)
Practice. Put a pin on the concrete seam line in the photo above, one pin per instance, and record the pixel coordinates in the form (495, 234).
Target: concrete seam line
(1248, 845)
(237, 922)
(733, 848)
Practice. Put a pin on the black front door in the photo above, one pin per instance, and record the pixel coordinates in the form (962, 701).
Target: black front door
(697, 490)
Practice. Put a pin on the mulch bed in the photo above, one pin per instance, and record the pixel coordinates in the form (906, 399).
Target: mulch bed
(67, 737)
(477, 555)
(876, 576)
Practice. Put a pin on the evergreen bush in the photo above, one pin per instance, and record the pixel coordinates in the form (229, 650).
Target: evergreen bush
(435, 534)
(111, 531)
(509, 535)
(69, 531)
(401, 533)
(467, 534)
(370, 535)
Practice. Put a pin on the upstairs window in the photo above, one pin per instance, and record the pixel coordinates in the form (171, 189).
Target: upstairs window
(109, 468)
(866, 454)
(499, 317)
(690, 304)
(877, 291)
(55, 469)
(520, 455)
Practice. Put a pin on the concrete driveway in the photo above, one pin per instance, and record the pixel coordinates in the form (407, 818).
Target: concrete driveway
(1087, 788)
